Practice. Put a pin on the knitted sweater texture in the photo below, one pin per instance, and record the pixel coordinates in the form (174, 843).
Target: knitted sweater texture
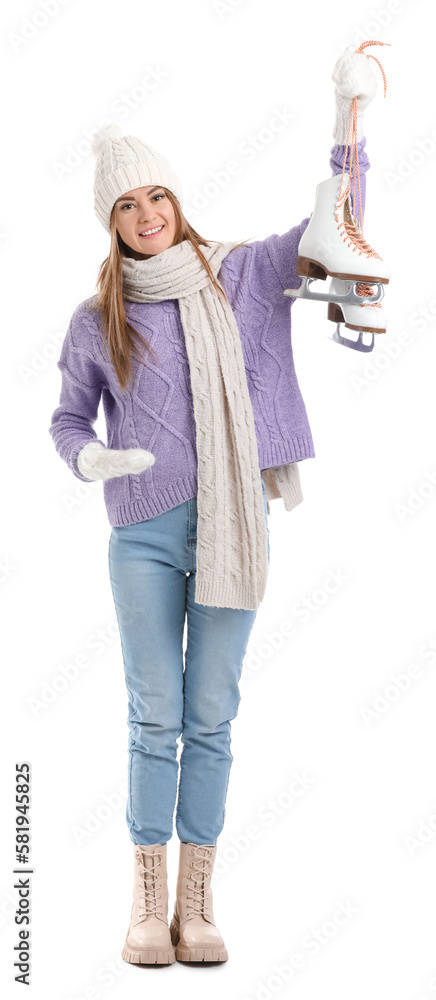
(156, 411)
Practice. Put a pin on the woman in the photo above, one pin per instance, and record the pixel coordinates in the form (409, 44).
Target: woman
(188, 346)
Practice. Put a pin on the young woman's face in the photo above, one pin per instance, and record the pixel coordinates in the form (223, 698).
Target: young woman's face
(138, 211)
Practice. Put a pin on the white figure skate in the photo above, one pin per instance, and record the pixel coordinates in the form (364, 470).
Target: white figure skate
(368, 317)
(333, 244)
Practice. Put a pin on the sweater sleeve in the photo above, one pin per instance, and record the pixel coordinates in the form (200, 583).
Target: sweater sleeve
(82, 382)
(337, 162)
(281, 251)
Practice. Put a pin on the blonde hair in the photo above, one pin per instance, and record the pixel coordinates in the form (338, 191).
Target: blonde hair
(120, 336)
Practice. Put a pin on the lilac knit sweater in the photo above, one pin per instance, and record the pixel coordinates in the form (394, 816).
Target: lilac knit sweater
(156, 412)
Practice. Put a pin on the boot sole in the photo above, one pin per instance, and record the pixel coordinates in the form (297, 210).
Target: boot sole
(186, 954)
(335, 313)
(150, 956)
(309, 268)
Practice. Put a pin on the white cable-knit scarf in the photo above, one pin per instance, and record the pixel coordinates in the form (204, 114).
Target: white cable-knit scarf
(232, 559)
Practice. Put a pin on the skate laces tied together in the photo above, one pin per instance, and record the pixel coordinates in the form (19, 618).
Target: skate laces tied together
(352, 232)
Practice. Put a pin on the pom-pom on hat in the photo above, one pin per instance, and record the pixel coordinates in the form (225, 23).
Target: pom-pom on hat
(123, 163)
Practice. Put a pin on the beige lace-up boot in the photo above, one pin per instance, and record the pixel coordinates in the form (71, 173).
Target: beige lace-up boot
(148, 940)
(193, 931)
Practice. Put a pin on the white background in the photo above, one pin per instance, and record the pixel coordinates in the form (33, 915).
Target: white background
(364, 832)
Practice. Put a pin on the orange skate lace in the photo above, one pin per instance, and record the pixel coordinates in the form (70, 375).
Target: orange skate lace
(352, 232)
(363, 289)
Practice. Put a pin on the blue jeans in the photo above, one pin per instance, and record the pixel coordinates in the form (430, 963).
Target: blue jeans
(152, 572)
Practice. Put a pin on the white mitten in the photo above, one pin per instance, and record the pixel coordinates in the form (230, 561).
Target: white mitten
(353, 77)
(96, 462)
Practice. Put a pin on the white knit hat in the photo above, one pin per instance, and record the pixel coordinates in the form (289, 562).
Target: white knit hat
(124, 162)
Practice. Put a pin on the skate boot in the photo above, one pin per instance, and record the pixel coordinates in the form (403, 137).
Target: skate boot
(332, 244)
(368, 317)
(193, 931)
(148, 940)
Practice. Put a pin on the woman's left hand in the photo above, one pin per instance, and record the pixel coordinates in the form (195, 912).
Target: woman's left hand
(353, 77)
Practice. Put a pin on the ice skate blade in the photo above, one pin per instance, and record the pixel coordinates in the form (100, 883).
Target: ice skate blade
(356, 345)
(351, 296)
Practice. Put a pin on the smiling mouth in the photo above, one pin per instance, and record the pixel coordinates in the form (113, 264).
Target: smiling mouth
(155, 232)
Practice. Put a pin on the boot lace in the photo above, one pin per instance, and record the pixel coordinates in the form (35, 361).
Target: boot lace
(200, 879)
(351, 230)
(148, 895)
(362, 288)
